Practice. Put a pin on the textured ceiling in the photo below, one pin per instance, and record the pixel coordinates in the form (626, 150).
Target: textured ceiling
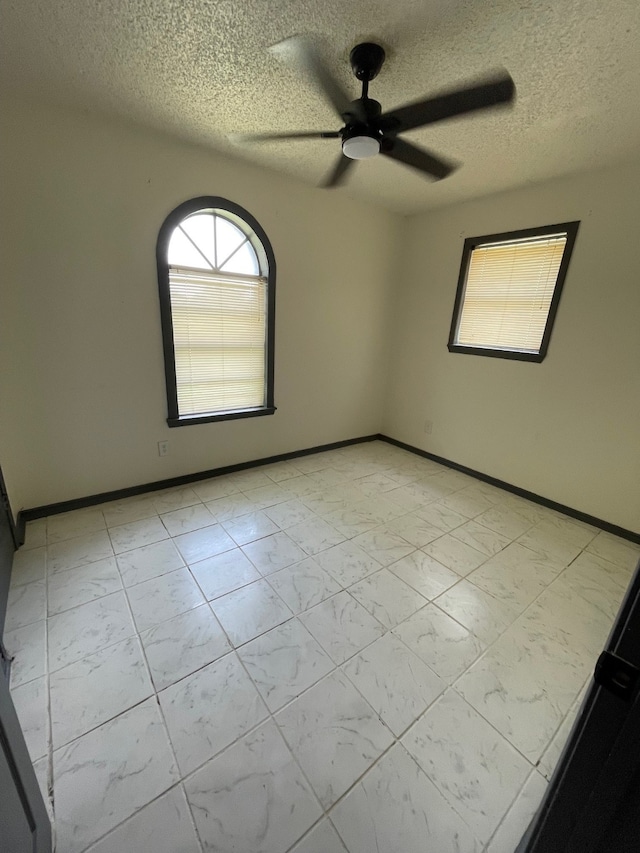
(201, 69)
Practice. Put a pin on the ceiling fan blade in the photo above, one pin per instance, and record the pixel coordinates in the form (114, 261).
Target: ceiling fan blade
(416, 157)
(339, 172)
(304, 54)
(267, 137)
(487, 93)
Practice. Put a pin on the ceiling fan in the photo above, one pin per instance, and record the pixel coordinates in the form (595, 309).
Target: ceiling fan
(368, 131)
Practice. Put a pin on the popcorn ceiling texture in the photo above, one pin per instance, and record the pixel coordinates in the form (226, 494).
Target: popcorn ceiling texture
(201, 69)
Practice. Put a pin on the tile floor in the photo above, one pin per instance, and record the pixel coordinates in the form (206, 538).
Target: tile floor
(357, 650)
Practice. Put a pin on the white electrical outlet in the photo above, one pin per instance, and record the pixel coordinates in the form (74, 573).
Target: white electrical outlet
(163, 448)
(428, 427)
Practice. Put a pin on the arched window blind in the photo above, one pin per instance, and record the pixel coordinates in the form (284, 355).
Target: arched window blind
(508, 292)
(217, 275)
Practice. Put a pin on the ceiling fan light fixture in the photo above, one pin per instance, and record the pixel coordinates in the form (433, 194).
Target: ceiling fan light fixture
(360, 147)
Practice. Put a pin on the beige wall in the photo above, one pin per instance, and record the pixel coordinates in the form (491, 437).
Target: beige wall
(568, 428)
(81, 368)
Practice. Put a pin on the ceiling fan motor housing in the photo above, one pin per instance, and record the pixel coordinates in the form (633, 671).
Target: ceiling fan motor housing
(366, 60)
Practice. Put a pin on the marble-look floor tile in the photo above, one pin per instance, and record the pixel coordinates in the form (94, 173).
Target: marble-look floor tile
(186, 519)
(454, 554)
(519, 816)
(176, 498)
(384, 545)
(231, 506)
(550, 545)
(589, 569)
(27, 647)
(424, 574)
(216, 487)
(354, 520)
(164, 826)
(395, 807)
(284, 662)
(26, 604)
(91, 691)
(206, 542)
(322, 839)
(516, 575)
(128, 509)
(35, 534)
(249, 527)
(126, 537)
(507, 520)
(342, 626)
(289, 513)
(301, 486)
(347, 563)
(86, 583)
(88, 628)
(42, 770)
(183, 644)
(148, 562)
(474, 768)
(68, 525)
(268, 495)
(574, 615)
(482, 614)
(334, 734)
(303, 585)
(223, 573)
(414, 529)
(443, 644)
(162, 598)
(273, 553)
(77, 552)
(336, 499)
(253, 797)
(568, 528)
(280, 471)
(251, 479)
(481, 538)
(31, 702)
(410, 499)
(616, 550)
(552, 753)
(314, 535)
(469, 504)
(375, 484)
(387, 597)
(209, 709)
(396, 683)
(105, 776)
(249, 611)
(524, 685)
(28, 566)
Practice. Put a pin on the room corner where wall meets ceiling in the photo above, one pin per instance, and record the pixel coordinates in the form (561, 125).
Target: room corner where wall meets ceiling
(82, 374)
(567, 428)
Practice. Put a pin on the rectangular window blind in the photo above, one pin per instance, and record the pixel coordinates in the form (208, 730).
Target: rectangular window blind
(219, 331)
(508, 293)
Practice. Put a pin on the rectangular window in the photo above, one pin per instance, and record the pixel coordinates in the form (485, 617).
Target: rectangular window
(508, 292)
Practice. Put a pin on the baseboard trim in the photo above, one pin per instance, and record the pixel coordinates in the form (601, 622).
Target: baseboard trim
(516, 490)
(92, 500)
(131, 491)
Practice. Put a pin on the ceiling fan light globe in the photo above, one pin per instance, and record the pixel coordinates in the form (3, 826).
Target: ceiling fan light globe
(360, 147)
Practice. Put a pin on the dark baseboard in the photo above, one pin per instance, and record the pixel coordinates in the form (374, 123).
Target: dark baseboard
(132, 491)
(622, 532)
(91, 500)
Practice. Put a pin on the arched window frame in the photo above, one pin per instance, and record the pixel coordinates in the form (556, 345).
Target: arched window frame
(262, 246)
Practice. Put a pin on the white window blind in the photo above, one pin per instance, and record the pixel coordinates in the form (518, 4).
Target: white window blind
(219, 332)
(508, 293)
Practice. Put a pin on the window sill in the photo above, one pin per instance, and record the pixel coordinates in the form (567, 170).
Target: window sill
(187, 420)
(498, 353)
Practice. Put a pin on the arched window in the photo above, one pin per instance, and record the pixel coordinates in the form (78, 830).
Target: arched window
(216, 273)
